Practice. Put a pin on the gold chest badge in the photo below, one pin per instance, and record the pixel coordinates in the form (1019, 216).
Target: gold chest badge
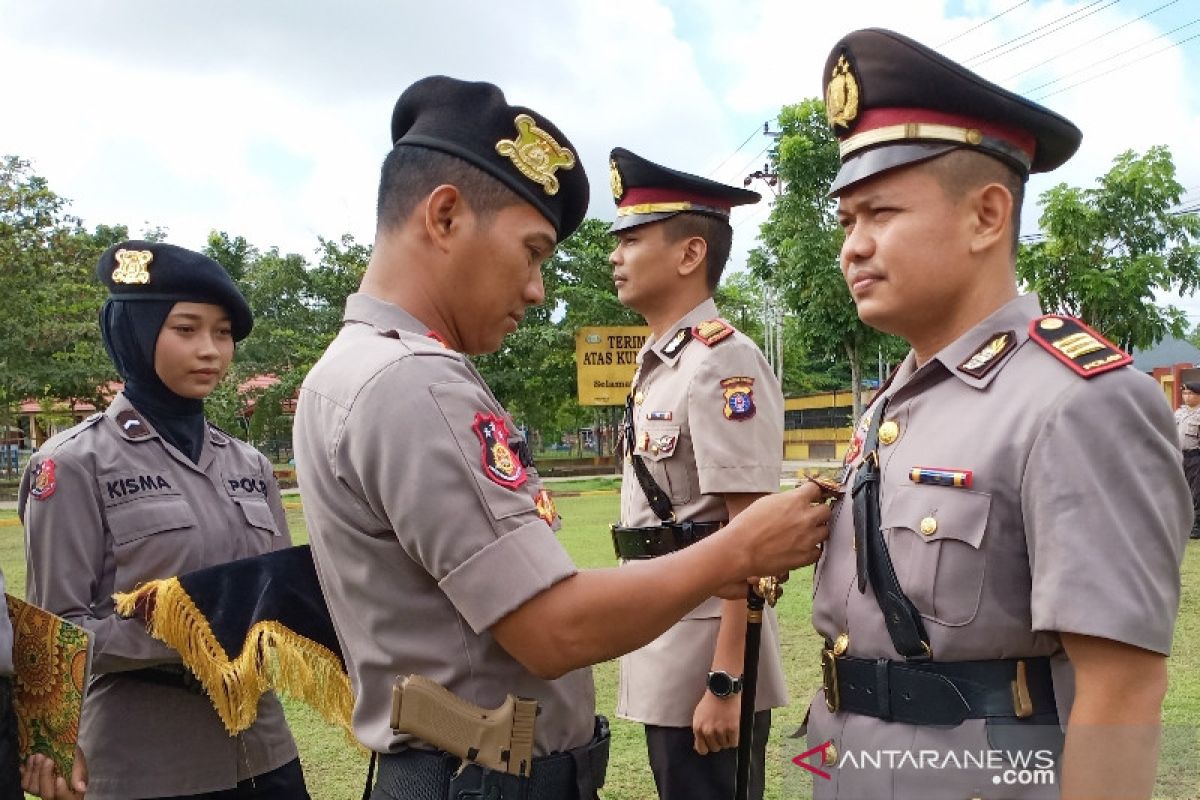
(133, 266)
(535, 153)
(841, 95)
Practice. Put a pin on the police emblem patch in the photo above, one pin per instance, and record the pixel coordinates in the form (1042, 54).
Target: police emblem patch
(739, 398)
(133, 266)
(500, 463)
(535, 153)
(42, 482)
(545, 506)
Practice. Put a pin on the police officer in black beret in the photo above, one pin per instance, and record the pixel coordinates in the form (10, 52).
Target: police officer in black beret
(1005, 562)
(431, 532)
(149, 489)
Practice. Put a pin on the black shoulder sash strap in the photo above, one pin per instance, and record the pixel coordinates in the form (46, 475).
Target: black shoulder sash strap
(874, 562)
(660, 503)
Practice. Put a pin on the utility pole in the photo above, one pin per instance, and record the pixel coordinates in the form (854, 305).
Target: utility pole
(772, 310)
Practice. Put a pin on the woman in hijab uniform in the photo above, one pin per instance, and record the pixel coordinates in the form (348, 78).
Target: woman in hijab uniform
(146, 490)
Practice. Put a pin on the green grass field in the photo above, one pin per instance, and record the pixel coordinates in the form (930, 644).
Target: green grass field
(336, 770)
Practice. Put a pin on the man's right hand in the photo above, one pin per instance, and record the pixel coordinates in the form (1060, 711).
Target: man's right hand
(780, 532)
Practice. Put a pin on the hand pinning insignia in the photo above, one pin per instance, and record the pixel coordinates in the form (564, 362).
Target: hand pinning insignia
(500, 464)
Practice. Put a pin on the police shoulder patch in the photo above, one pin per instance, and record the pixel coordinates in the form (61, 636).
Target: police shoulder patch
(42, 481)
(500, 464)
(739, 398)
(1078, 346)
(712, 331)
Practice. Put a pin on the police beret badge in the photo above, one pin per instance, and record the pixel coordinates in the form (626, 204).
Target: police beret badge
(500, 463)
(133, 266)
(739, 398)
(535, 153)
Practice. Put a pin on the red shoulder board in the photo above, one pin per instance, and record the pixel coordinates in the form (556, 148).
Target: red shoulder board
(1073, 343)
(712, 331)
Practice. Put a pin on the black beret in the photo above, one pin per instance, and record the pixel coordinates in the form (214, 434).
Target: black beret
(516, 145)
(1192, 386)
(137, 270)
(892, 101)
(647, 192)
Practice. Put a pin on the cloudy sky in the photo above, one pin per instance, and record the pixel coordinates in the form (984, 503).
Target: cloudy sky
(269, 119)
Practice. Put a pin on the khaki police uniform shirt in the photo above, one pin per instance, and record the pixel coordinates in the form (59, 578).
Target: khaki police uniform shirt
(127, 507)
(697, 454)
(1187, 422)
(1076, 522)
(424, 525)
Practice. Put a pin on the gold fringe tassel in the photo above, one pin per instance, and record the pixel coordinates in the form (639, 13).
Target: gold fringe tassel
(273, 657)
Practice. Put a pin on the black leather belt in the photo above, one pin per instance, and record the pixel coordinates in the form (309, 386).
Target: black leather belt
(660, 540)
(435, 775)
(939, 692)
(174, 676)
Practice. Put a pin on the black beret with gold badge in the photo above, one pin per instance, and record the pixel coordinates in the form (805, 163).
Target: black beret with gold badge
(647, 192)
(892, 101)
(138, 270)
(516, 145)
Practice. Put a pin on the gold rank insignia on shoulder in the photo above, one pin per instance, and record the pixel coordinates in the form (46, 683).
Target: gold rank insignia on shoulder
(985, 359)
(1078, 346)
(614, 180)
(535, 153)
(133, 266)
(712, 331)
(841, 94)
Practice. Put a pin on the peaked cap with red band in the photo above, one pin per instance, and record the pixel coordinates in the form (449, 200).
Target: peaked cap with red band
(892, 101)
(647, 192)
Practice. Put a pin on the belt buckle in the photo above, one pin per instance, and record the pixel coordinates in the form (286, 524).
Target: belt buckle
(833, 698)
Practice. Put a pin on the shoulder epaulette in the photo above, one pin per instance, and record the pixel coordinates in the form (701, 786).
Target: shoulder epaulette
(1073, 343)
(712, 331)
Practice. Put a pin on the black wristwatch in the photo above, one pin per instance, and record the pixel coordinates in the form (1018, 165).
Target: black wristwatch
(722, 684)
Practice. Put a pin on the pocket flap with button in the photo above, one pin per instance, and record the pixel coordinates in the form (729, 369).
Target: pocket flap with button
(133, 521)
(935, 535)
(258, 514)
(937, 513)
(656, 443)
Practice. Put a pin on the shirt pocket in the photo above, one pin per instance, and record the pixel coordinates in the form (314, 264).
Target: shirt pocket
(659, 446)
(258, 515)
(150, 539)
(935, 539)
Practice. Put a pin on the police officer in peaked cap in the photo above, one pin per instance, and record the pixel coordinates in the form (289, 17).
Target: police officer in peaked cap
(1005, 566)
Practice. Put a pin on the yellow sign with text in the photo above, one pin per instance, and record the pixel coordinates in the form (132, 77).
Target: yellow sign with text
(605, 359)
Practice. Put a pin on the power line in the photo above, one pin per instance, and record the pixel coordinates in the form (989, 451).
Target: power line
(1089, 41)
(982, 24)
(1109, 58)
(753, 133)
(1122, 66)
(1017, 44)
(762, 152)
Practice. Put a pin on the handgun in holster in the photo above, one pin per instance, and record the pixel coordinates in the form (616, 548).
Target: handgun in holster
(499, 739)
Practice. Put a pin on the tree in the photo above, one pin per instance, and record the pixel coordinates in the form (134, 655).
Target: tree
(1109, 249)
(801, 240)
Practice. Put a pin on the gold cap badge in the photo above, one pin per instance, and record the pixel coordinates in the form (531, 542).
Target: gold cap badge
(535, 153)
(133, 266)
(841, 95)
(614, 180)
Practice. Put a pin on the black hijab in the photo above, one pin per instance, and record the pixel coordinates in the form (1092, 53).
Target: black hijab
(130, 330)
